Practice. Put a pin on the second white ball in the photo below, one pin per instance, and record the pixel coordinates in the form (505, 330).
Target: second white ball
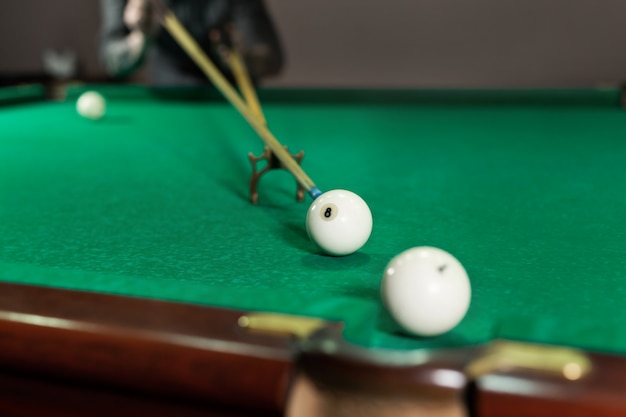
(426, 290)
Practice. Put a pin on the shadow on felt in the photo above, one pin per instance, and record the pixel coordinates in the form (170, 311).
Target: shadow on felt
(238, 179)
(117, 119)
(386, 324)
(320, 261)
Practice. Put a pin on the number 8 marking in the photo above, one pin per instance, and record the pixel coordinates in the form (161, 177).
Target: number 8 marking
(328, 212)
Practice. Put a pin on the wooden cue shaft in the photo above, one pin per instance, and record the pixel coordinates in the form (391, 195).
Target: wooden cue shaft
(245, 84)
(180, 34)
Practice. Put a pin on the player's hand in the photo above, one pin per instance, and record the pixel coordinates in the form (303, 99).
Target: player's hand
(142, 15)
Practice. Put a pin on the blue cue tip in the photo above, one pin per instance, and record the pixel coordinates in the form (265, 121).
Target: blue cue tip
(315, 192)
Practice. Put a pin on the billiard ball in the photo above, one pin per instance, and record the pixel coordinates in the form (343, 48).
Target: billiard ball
(426, 290)
(339, 222)
(91, 105)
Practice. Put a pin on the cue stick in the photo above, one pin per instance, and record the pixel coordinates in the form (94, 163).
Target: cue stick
(184, 39)
(242, 76)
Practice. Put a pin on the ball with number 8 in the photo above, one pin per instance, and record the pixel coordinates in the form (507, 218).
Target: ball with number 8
(339, 222)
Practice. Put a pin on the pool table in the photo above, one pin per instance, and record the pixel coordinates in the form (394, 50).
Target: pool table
(137, 278)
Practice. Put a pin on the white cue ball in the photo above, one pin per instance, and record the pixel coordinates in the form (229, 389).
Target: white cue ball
(91, 105)
(339, 222)
(426, 290)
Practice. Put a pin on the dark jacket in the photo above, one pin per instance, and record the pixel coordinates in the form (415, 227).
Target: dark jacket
(169, 64)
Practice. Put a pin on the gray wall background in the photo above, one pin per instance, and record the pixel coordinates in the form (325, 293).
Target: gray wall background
(393, 43)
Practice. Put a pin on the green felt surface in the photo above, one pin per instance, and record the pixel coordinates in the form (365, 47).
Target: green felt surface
(526, 189)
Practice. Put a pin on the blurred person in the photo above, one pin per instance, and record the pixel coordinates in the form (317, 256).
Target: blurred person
(131, 35)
